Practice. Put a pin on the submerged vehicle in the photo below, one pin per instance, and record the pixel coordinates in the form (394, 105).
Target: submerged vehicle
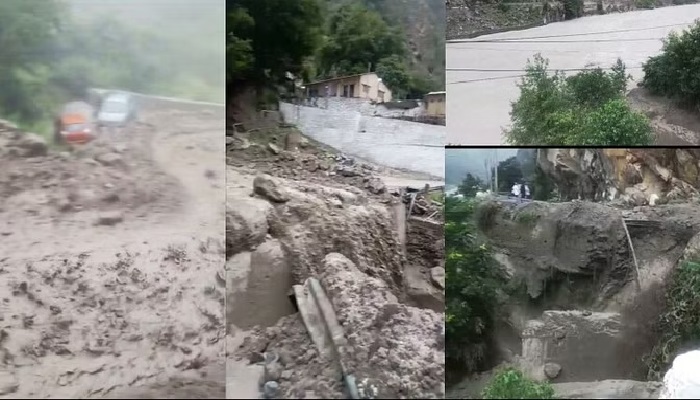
(117, 110)
(75, 123)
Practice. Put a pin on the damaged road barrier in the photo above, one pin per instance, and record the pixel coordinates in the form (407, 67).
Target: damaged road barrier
(321, 323)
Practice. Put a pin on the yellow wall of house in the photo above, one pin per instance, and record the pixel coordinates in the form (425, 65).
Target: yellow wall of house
(435, 104)
(365, 86)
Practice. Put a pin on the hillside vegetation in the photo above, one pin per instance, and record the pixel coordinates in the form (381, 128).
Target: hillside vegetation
(52, 51)
(402, 41)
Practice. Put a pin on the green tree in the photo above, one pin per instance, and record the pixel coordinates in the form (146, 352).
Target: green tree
(276, 36)
(470, 185)
(679, 325)
(615, 124)
(394, 73)
(509, 172)
(357, 39)
(28, 33)
(474, 289)
(239, 44)
(585, 109)
(674, 72)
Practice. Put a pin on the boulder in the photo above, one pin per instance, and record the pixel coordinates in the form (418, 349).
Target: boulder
(33, 145)
(246, 223)
(109, 218)
(110, 159)
(267, 187)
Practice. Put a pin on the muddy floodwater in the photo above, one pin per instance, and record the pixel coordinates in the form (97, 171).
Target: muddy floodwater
(479, 101)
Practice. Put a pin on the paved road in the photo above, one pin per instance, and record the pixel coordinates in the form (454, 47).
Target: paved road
(476, 111)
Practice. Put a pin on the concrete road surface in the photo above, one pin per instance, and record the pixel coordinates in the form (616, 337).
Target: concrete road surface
(477, 110)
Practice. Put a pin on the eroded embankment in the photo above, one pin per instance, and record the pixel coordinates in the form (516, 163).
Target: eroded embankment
(588, 307)
(326, 218)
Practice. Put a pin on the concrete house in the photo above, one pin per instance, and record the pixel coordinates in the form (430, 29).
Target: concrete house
(363, 86)
(435, 104)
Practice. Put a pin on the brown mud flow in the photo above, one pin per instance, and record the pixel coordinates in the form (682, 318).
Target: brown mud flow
(112, 255)
(295, 211)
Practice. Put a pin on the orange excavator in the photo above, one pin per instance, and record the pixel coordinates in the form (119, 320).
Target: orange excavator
(75, 124)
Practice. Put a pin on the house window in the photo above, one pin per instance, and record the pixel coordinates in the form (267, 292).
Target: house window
(365, 89)
(380, 94)
(439, 100)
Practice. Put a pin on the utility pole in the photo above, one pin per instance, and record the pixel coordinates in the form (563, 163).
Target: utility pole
(495, 170)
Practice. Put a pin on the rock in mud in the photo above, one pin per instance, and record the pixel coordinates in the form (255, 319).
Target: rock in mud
(271, 389)
(8, 383)
(246, 224)
(33, 145)
(273, 371)
(376, 186)
(437, 276)
(110, 159)
(109, 218)
(273, 148)
(267, 187)
(552, 370)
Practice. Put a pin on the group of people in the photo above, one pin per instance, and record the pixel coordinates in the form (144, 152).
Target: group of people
(520, 190)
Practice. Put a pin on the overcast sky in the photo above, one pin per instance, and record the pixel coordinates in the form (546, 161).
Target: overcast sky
(460, 162)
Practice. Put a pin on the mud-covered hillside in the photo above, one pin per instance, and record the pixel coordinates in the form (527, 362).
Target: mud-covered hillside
(633, 176)
(470, 18)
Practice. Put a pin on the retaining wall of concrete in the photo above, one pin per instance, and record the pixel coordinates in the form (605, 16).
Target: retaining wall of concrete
(390, 142)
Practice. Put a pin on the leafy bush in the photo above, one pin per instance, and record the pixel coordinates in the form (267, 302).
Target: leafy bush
(509, 383)
(680, 323)
(674, 72)
(573, 9)
(645, 3)
(474, 284)
(584, 109)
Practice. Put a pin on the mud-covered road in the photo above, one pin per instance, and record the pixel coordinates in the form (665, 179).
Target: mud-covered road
(111, 258)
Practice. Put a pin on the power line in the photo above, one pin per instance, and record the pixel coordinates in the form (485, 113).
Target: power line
(524, 70)
(568, 35)
(493, 78)
(569, 41)
(538, 49)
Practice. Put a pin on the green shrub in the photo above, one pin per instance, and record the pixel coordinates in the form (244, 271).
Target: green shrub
(573, 9)
(509, 383)
(679, 325)
(588, 108)
(645, 3)
(674, 72)
(503, 7)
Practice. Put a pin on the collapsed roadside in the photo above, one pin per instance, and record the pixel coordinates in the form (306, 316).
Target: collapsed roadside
(298, 213)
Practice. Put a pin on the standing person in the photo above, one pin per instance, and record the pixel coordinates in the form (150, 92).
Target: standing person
(522, 191)
(527, 191)
(515, 190)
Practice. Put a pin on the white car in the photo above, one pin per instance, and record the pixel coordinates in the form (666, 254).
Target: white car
(116, 110)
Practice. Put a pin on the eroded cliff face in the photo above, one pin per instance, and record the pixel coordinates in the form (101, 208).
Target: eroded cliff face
(633, 176)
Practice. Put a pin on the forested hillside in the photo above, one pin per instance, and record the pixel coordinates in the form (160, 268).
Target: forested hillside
(402, 41)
